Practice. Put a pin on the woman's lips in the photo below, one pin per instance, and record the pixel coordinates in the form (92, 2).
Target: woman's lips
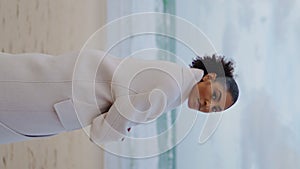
(198, 104)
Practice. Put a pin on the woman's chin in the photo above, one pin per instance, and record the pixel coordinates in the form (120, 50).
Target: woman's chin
(191, 105)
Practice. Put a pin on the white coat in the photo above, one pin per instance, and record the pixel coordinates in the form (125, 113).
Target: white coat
(37, 96)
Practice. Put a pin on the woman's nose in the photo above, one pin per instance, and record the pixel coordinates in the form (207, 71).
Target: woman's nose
(206, 105)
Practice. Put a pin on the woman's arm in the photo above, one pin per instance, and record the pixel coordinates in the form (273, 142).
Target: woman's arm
(127, 111)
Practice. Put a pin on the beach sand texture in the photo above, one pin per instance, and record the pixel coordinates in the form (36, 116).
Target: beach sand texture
(52, 27)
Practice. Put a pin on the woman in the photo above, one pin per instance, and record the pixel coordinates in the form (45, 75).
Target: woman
(43, 95)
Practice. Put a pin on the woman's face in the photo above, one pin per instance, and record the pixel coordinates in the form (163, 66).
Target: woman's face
(209, 95)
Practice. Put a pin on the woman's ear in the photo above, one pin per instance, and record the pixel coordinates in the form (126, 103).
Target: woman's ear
(210, 76)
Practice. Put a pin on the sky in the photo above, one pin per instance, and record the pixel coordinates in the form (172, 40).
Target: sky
(261, 131)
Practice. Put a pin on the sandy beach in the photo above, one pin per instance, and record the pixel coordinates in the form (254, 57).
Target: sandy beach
(52, 27)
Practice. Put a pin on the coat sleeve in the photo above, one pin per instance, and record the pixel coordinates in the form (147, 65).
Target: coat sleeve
(127, 111)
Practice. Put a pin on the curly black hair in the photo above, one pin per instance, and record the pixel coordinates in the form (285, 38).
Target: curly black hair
(215, 63)
(223, 69)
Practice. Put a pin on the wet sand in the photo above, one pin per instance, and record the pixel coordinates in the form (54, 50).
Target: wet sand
(52, 27)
